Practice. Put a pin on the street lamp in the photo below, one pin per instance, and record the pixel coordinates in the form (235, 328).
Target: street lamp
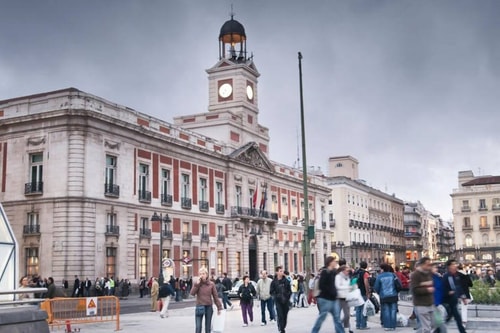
(161, 219)
(341, 245)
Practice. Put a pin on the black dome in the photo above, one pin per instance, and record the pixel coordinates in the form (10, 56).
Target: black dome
(234, 28)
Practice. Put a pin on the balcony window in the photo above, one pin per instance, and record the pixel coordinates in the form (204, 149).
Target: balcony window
(220, 262)
(166, 194)
(497, 221)
(110, 261)
(185, 189)
(203, 189)
(35, 186)
(143, 193)
(110, 187)
(111, 227)
(32, 261)
(143, 263)
(238, 196)
(483, 222)
(482, 204)
(32, 224)
(219, 197)
(496, 204)
(145, 231)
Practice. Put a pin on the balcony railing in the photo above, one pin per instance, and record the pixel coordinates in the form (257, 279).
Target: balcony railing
(413, 234)
(467, 227)
(112, 230)
(332, 224)
(166, 199)
(465, 209)
(186, 203)
(484, 227)
(495, 207)
(219, 208)
(33, 188)
(482, 208)
(203, 205)
(144, 233)
(205, 237)
(187, 236)
(31, 229)
(111, 190)
(167, 234)
(221, 238)
(496, 226)
(253, 212)
(144, 196)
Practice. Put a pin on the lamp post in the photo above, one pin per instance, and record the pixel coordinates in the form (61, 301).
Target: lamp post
(341, 245)
(161, 219)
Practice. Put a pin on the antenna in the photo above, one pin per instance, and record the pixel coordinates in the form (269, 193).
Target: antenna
(232, 12)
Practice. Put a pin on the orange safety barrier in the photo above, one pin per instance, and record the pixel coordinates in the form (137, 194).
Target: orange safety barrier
(82, 310)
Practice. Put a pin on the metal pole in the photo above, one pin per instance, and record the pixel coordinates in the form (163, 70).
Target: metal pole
(308, 230)
(160, 277)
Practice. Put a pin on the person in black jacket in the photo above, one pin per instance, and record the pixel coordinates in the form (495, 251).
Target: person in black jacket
(228, 285)
(281, 292)
(466, 282)
(452, 289)
(327, 299)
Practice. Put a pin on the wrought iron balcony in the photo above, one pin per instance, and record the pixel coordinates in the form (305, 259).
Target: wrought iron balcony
(144, 233)
(186, 203)
(204, 237)
(167, 234)
(252, 212)
(144, 196)
(31, 229)
(221, 238)
(484, 227)
(112, 230)
(465, 209)
(482, 208)
(219, 208)
(34, 188)
(332, 224)
(111, 190)
(166, 200)
(412, 234)
(467, 227)
(495, 207)
(187, 236)
(203, 206)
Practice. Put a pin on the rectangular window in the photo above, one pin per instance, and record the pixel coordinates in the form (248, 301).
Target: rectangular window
(185, 268)
(143, 263)
(204, 259)
(166, 253)
(220, 262)
(483, 222)
(251, 193)
(496, 203)
(497, 221)
(32, 259)
(283, 201)
(185, 190)
(275, 260)
(36, 167)
(482, 203)
(220, 230)
(110, 261)
(143, 177)
(294, 203)
(204, 229)
(238, 196)
(465, 203)
(165, 182)
(203, 189)
(238, 263)
(295, 262)
(219, 197)
(110, 170)
(32, 225)
(285, 264)
(264, 261)
(467, 222)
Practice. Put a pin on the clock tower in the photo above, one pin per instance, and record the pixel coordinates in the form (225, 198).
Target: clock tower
(233, 111)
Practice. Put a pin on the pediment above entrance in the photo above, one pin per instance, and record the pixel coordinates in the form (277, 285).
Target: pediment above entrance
(251, 154)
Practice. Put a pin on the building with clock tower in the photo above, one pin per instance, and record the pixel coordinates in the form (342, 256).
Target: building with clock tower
(233, 110)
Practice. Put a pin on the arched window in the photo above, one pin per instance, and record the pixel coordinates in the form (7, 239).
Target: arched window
(468, 240)
(484, 237)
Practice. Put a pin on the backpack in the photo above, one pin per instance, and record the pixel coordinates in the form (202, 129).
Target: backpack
(316, 291)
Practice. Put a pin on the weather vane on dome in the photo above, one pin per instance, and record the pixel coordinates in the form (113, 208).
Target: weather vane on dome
(232, 13)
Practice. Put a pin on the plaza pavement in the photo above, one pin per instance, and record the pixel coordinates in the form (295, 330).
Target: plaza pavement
(300, 320)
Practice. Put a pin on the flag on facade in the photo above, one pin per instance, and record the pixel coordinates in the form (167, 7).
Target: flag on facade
(254, 199)
(263, 200)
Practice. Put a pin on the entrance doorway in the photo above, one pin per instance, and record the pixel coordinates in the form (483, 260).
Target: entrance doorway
(253, 271)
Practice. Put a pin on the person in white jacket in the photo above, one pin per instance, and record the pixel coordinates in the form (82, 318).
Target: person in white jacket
(343, 285)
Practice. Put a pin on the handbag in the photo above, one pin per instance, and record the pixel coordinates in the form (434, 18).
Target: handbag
(200, 310)
(354, 298)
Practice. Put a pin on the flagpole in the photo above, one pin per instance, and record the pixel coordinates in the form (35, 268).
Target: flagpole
(308, 230)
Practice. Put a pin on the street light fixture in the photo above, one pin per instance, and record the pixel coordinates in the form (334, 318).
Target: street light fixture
(341, 245)
(162, 220)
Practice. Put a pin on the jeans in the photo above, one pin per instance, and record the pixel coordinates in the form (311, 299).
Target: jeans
(389, 314)
(325, 307)
(225, 300)
(208, 320)
(270, 307)
(247, 309)
(282, 313)
(360, 319)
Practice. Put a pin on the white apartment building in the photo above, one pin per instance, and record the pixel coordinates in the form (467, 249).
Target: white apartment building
(368, 223)
(94, 188)
(476, 217)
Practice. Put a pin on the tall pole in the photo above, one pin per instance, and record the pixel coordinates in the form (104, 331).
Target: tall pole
(308, 229)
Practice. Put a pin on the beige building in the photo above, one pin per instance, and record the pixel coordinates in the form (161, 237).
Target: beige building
(476, 217)
(84, 182)
(368, 223)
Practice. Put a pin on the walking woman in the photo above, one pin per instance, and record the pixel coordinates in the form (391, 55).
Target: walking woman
(246, 293)
(386, 288)
(343, 285)
(206, 295)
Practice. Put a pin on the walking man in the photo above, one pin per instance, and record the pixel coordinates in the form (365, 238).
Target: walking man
(281, 292)
(165, 292)
(327, 299)
(453, 290)
(228, 285)
(264, 294)
(422, 288)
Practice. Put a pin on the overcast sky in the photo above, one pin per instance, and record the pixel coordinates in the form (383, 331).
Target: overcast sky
(409, 88)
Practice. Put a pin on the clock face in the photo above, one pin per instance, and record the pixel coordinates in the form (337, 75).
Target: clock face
(225, 90)
(250, 92)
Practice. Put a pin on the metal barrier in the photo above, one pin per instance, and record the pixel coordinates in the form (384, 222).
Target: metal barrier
(12, 300)
(62, 311)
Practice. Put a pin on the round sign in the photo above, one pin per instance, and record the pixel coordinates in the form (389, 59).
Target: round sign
(186, 260)
(167, 262)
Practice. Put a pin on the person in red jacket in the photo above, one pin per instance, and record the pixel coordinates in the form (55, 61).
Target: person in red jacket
(405, 281)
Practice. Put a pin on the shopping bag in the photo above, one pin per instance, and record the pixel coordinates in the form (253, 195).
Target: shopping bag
(438, 319)
(401, 319)
(218, 322)
(160, 304)
(368, 309)
(354, 298)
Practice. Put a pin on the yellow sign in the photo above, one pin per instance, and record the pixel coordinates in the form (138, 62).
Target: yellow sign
(91, 306)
